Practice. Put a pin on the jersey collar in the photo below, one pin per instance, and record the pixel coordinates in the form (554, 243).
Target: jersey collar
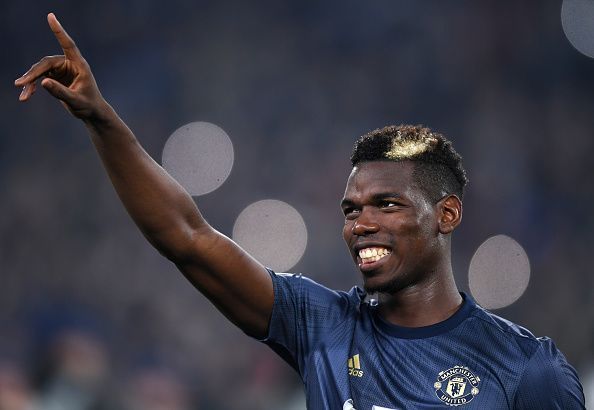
(468, 305)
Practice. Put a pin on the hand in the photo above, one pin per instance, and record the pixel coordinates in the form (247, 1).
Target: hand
(67, 77)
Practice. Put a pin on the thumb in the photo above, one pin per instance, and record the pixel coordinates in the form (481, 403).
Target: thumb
(58, 90)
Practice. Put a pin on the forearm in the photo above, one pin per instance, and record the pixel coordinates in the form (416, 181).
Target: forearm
(233, 280)
(162, 209)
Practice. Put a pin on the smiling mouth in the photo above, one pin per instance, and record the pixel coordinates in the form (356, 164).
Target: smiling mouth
(371, 255)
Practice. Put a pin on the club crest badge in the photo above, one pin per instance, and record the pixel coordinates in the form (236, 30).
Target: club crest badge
(456, 386)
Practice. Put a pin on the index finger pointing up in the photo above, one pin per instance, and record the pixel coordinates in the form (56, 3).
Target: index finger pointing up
(70, 50)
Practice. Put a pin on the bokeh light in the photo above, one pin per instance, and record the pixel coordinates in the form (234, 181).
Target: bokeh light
(273, 232)
(577, 18)
(499, 272)
(199, 156)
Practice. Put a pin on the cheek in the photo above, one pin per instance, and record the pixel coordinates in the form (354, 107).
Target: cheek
(416, 229)
(407, 227)
(347, 231)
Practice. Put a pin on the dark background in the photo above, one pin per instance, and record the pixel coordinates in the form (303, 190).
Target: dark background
(92, 317)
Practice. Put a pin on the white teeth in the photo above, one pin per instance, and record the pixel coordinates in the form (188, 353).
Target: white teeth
(369, 255)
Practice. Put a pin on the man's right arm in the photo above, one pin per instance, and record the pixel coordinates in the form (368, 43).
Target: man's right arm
(236, 283)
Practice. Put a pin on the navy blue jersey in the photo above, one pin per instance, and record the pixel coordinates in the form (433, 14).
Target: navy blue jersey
(350, 358)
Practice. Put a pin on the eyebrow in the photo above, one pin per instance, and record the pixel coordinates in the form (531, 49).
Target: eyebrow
(374, 198)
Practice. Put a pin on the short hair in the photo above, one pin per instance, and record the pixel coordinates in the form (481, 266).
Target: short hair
(438, 167)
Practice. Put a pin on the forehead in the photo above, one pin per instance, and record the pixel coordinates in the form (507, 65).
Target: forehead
(381, 176)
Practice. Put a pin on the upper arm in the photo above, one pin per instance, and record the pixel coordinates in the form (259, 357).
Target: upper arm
(549, 382)
(237, 284)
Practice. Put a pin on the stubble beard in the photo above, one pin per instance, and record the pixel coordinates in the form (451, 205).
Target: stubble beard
(389, 287)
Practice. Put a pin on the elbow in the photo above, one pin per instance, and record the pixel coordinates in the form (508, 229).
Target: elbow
(184, 245)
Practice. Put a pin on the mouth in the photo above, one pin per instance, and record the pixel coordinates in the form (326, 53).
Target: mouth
(370, 258)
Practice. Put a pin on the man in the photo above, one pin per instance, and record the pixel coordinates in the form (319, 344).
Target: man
(421, 344)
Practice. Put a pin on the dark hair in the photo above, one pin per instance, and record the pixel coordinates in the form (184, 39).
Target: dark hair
(438, 167)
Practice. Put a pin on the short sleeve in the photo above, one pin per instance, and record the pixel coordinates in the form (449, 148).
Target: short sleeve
(303, 313)
(549, 382)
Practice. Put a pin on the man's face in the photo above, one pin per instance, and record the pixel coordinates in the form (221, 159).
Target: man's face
(390, 227)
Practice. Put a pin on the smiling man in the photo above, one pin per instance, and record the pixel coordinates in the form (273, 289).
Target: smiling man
(402, 202)
(420, 344)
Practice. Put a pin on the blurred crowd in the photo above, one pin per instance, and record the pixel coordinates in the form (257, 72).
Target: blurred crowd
(74, 374)
(91, 317)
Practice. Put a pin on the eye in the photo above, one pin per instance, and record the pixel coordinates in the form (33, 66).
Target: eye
(350, 213)
(390, 203)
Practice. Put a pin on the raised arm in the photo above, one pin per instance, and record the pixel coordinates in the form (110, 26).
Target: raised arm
(235, 282)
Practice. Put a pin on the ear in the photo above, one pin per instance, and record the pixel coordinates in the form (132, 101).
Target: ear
(450, 213)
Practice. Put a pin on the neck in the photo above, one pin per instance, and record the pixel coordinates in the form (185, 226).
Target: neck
(424, 303)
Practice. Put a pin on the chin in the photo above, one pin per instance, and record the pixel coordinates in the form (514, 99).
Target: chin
(390, 286)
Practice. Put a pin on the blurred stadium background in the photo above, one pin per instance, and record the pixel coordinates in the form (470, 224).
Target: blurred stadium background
(92, 318)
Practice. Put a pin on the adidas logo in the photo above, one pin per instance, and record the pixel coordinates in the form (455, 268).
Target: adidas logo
(355, 366)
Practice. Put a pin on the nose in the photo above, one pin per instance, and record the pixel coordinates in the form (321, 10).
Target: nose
(365, 225)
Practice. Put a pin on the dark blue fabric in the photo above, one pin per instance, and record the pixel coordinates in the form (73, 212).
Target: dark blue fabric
(473, 360)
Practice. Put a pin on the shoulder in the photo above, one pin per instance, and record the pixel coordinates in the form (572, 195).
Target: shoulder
(549, 378)
(304, 293)
(545, 376)
(507, 333)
